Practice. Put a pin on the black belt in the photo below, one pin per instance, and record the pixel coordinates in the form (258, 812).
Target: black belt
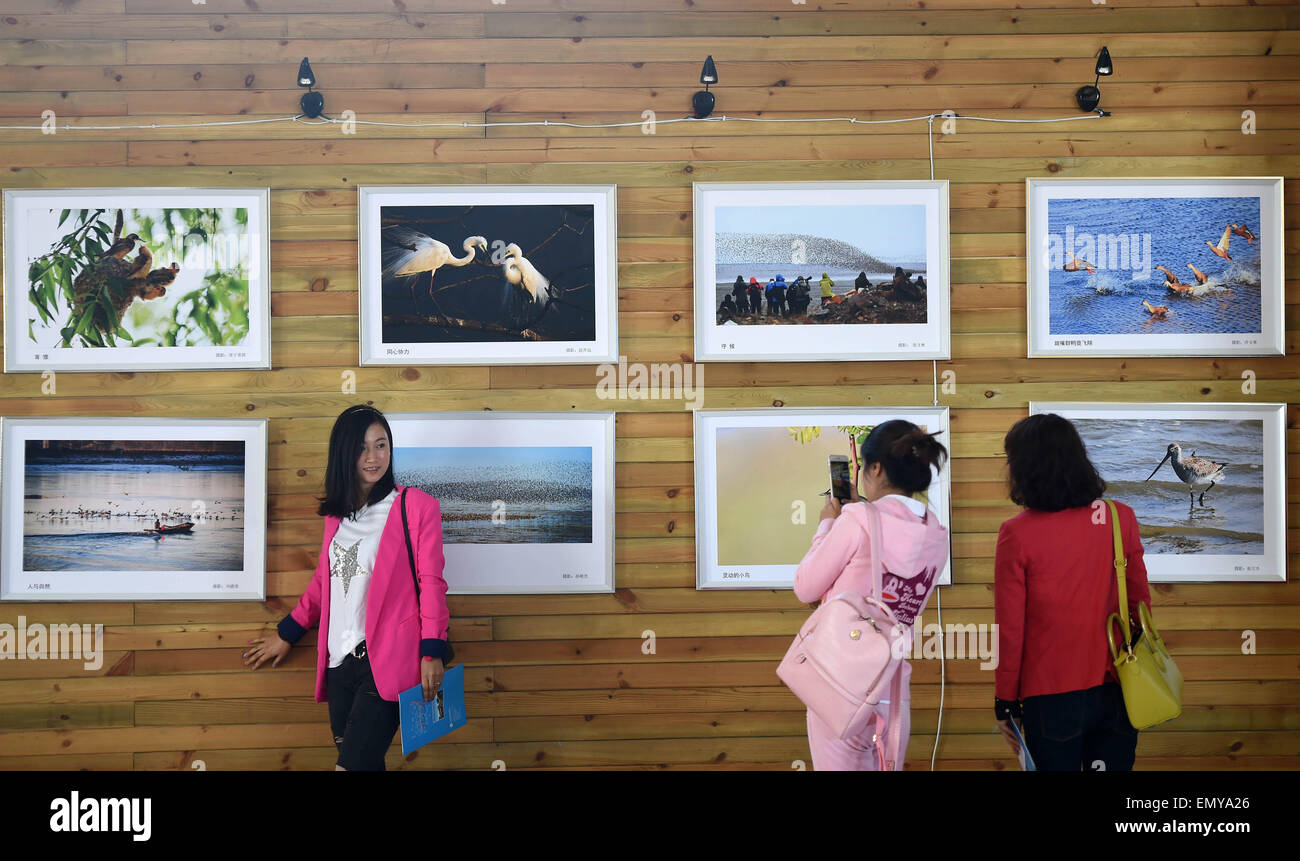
(359, 650)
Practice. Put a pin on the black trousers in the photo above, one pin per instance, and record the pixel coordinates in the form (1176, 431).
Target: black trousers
(363, 722)
(1076, 730)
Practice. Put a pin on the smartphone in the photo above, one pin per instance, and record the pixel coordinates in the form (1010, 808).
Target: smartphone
(841, 483)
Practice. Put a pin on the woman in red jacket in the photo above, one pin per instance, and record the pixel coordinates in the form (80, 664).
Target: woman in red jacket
(1053, 589)
(375, 641)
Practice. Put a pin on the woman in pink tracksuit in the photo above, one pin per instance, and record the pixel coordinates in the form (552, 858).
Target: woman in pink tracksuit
(896, 463)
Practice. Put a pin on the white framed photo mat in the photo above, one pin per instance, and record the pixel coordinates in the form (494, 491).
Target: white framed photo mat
(131, 509)
(759, 479)
(136, 279)
(527, 499)
(491, 274)
(1155, 267)
(860, 271)
(1206, 481)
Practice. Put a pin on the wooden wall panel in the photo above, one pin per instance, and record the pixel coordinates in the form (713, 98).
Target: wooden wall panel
(560, 682)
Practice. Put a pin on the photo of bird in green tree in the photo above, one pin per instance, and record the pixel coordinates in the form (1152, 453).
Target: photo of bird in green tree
(118, 277)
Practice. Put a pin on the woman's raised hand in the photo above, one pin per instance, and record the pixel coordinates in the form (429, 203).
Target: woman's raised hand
(262, 649)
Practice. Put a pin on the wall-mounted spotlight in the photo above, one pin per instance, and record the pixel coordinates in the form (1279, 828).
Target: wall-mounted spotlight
(312, 103)
(1089, 96)
(703, 101)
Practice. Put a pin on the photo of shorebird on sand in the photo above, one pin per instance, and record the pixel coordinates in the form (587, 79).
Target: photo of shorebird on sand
(1196, 485)
(1155, 265)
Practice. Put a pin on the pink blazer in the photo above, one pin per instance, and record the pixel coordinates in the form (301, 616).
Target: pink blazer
(397, 632)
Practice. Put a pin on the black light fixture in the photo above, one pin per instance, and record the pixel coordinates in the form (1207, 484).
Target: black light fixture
(1089, 97)
(703, 101)
(312, 103)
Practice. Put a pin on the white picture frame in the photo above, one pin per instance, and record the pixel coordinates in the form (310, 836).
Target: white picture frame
(557, 306)
(1120, 304)
(520, 475)
(1127, 441)
(791, 229)
(201, 301)
(81, 497)
(783, 485)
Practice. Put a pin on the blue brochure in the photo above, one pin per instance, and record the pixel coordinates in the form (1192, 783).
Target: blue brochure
(1026, 761)
(425, 720)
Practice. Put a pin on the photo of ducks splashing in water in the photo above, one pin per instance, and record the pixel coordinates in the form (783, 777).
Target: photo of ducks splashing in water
(1166, 265)
(1196, 485)
(471, 274)
(128, 505)
(504, 494)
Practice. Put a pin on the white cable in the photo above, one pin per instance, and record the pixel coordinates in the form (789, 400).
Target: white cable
(718, 119)
(943, 667)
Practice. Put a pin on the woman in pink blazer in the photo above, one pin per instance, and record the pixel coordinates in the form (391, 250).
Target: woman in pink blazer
(897, 458)
(374, 640)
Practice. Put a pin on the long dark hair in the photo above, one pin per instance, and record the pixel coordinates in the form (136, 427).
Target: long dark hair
(1047, 465)
(346, 442)
(905, 452)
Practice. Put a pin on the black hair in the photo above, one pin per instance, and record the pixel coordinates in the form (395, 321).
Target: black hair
(905, 452)
(347, 439)
(1047, 465)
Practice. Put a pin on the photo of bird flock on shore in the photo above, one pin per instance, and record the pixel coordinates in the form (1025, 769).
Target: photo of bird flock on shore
(798, 264)
(504, 494)
(467, 273)
(1158, 265)
(1196, 485)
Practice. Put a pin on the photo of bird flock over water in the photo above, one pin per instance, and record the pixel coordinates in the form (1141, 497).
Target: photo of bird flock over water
(1155, 265)
(130, 505)
(493, 273)
(1196, 485)
(504, 494)
(805, 264)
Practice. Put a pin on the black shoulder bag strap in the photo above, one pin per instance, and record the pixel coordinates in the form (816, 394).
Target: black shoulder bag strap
(449, 653)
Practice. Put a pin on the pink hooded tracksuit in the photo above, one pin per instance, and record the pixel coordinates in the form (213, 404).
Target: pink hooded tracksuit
(914, 551)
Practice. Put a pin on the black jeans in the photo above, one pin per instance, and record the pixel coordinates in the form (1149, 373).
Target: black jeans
(1075, 730)
(363, 723)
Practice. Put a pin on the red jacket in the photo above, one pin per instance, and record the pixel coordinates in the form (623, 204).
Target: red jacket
(397, 632)
(1053, 588)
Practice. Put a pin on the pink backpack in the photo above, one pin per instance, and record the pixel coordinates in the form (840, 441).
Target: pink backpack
(849, 653)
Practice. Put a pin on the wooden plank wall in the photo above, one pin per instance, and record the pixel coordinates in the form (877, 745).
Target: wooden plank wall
(561, 681)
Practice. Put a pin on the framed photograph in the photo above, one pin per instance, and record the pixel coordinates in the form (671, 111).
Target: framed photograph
(491, 274)
(527, 498)
(760, 476)
(1206, 481)
(821, 271)
(109, 509)
(136, 279)
(1155, 267)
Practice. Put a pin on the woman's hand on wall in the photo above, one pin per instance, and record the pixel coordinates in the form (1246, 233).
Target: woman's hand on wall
(430, 676)
(262, 649)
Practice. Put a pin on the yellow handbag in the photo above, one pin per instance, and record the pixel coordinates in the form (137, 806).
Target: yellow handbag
(1148, 676)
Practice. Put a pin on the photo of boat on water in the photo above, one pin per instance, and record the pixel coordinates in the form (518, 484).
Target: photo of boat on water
(821, 271)
(1205, 487)
(133, 505)
(126, 509)
(1153, 267)
(526, 499)
(505, 495)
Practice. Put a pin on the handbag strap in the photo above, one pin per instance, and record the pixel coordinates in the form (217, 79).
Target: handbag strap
(410, 554)
(889, 753)
(1121, 573)
(873, 543)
